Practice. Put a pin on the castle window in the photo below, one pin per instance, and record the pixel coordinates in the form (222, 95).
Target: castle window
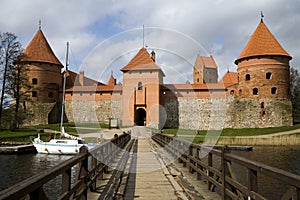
(232, 92)
(262, 105)
(34, 81)
(268, 75)
(247, 77)
(273, 90)
(140, 86)
(240, 92)
(197, 80)
(50, 94)
(255, 91)
(34, 94)
(263, 113)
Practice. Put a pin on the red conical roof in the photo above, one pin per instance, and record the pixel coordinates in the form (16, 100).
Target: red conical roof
(262, 43)
(39, 50)
(141, 61)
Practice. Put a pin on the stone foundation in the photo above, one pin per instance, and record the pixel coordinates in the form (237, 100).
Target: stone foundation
(93, 112)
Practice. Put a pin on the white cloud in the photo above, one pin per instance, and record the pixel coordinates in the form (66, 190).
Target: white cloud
(221, 27)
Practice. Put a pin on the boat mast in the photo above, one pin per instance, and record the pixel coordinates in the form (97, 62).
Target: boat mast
(64, 90)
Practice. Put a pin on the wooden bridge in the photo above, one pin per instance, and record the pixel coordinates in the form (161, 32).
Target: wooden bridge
(144, 165)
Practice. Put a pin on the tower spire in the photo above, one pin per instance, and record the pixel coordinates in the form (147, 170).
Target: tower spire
(262, 16)
(143, 36)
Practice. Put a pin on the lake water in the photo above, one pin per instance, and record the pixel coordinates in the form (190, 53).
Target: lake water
(14, 168)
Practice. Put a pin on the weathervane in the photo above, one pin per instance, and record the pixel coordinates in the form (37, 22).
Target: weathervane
(143, 36)
(262, 16)
(40, 24)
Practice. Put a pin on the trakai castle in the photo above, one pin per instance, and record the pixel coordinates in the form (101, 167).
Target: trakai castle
(257, 95)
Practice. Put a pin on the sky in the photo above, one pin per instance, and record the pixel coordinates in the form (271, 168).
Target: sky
(104, 35)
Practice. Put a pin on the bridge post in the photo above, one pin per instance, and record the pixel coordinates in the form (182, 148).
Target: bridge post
(210, 162)
(224, 174)
(252, 180)
(66, 181)
(82, 173)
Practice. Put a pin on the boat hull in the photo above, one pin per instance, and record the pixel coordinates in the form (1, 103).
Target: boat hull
(47, 148)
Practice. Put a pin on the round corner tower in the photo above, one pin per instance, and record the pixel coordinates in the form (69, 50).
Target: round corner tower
(44, 70)
(263, 67)
(264, 80)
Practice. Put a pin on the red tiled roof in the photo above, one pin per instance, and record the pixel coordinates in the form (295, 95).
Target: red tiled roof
(111, 80)
(72, 80)
(99, 88)
(261, 43)
(141, 61)
(211, 86)
(39, 50)
(205, 61)
(230, 78)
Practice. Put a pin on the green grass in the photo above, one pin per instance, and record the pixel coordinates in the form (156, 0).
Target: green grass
(233, 132)
(24, 133)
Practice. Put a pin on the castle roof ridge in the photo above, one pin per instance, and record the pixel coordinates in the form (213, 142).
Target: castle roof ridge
(39, 50)
(141, 61)
(262, 43)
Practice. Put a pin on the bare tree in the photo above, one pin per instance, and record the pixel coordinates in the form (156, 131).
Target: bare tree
(10, 50)
(295, 93)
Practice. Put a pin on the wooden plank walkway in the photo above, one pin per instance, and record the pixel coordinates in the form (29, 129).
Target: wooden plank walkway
(149, 180)
(151, 176)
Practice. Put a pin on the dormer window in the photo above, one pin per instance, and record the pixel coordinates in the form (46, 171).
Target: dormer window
(140, 86)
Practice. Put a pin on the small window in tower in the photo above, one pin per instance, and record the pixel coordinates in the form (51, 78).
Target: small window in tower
(34, 81)
(232, 92)
(273, 90)
(240, 92)
(247, 77)
(262, 105)
(268, 75)
(255, 91)
(197, 80)
(34, 94)
(140, 86)
(50, 94)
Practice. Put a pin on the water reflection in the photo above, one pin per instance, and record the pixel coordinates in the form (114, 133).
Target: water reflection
(285, 158)
(14, 168)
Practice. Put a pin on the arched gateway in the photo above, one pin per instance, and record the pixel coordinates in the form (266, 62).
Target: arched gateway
(140, 117)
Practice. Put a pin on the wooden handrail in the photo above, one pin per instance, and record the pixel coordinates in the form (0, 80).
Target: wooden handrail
(224, 177)
(33, 186)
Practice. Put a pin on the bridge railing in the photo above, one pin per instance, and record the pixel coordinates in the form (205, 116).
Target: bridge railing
(216, 168)
(89, 170)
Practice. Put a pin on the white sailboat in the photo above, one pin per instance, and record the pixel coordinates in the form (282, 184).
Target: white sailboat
(62, 146)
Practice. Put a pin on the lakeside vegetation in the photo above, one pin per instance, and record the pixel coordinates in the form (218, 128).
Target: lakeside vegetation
(228, 136)
(23, 134)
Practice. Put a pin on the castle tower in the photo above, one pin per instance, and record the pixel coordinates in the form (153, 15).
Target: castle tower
(205, 70)
(264, 81)
(44, 69)
(263, 67)
(142, 79)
